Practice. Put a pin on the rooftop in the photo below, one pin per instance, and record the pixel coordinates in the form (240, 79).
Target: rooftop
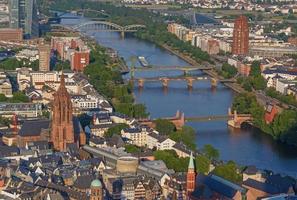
(34, 127)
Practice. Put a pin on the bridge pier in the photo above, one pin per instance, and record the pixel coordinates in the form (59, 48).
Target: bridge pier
(140, 83)
(132, 73)
(214, 82)
(165, 82)
(236, 120)
(122, 34)
(190, 83)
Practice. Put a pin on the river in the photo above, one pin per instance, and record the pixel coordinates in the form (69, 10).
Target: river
(247, 146)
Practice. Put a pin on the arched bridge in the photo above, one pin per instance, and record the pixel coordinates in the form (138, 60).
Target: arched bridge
(108, 26)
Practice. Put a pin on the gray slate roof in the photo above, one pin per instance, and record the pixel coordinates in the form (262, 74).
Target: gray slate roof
(34, 127)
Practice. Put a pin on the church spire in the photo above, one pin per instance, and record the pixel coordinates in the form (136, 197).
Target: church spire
(62, 81)
(62, 90)
(191, 176)
(191, 162)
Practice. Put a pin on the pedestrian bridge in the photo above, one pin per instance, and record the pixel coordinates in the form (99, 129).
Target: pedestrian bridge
(233, 119)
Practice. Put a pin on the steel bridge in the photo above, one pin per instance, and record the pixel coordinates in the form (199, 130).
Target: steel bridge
(185, 69)
(165, 80)
(189, 79)
(108, 27)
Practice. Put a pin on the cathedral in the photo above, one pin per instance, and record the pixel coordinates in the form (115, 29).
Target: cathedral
(62, 127)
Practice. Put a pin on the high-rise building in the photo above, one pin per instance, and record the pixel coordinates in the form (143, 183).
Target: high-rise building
(23, 14)
(62, 125)
(191, 176)
(44, 57)
(240, 44)
(79, 60)
(14, 21)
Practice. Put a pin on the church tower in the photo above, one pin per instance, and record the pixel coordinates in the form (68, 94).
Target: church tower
(96, 190)
(62, 125)
(191, 176)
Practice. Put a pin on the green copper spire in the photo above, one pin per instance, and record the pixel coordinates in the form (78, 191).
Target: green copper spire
(191, 162)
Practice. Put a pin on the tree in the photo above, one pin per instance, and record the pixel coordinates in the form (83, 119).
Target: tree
(202, 164)
(115, 130)
(210, 152)
(258, 82)
(242, 103)
(247, 85)
(165, 127)
(228, 71)
(139, 111)
(62, 65)
(19, 97)
(130, 148)
(255, 68)
(108, 82)
(288, 99)
(46, 114)
(10, 64)
(284, 124)
(186, 136)
(172, 161)
(5, 121)
(228, 171)
(13, 63)
(3, 98)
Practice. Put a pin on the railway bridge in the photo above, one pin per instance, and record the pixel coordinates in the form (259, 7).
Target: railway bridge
(107, 26)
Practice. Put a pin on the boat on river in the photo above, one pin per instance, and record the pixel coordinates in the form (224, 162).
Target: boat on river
(143, 61)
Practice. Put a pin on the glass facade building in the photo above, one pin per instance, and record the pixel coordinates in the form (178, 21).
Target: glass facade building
(23, 14)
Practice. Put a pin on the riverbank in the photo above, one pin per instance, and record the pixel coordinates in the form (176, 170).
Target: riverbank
(203, 101)
(281, 129)
(234, 86)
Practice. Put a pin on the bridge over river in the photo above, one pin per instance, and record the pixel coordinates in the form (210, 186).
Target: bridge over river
(233, 119)
(166, 79)
(101, 26)
(189, 79)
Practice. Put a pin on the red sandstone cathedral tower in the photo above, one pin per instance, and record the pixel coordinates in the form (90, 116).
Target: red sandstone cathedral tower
(62, 125)
(191, 177)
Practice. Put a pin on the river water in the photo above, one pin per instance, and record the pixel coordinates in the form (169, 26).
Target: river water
(247, 146)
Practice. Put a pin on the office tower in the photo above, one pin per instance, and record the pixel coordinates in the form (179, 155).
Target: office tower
(240, 44)
(23, 14)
